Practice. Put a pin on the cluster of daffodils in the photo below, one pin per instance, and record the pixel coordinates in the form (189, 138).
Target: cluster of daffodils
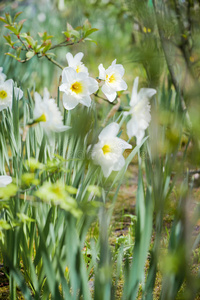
(6, 91)
(77, 87)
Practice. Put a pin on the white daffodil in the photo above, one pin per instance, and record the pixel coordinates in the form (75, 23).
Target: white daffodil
(77, 88)
(2, 75)
(6, 94)
(47, 113)
(140, 111)
(5, 180)
(113, 80)
(76, 63)
(108, 151)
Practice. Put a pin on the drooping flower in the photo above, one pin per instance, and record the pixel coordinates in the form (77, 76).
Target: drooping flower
(2, 75)
(113, 80)
(76, 63)
(139, 111)
(77, 88)
(6, 94)
(108, 151)
(5, 180)
(47, 113)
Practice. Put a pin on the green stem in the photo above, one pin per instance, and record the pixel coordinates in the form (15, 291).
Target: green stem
(54, 62)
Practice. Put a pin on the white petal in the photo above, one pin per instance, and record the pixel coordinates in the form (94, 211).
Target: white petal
(134, 96)
(146, 93)
(132, 128)
(18, 93)
(107, 89)
(113, 63)
(69, 102)
(119, 164)
(109, 92)
(5, 180)
(46, 94)
(111, 97)
(86, 100)
(92, 85)
(81, 76)
(37, 97)
(106, 170)
(119, 69)
(63, 87)
(9, 84)
(139, 136)
(68, 75)
(122, 86)
(122, 144)
(102, 72)
(109, 131)
(78, 57)
(69, 58)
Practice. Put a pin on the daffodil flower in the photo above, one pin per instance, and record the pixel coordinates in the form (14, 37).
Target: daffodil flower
(139, 111)
(77, 88)
(47, 113)
(5, 180)
(2, 75)
(108, 151)
(6, 94)
(76, 63)
(113, 80)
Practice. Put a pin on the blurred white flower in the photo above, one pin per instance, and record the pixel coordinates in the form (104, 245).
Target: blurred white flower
(41, 17)
(77, 88)
(108, 151)
(113, 80)
(139, 111)
(6, 94)
(5, 180)
(47, 113)
(76, 63)
(2, 75)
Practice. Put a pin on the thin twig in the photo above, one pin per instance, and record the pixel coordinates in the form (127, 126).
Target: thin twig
(54, 62)
(63, 44)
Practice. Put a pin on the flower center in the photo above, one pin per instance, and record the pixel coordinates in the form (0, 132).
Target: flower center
(76, 87)
(110, 79)
(3, 94)
(42, 118)
(78, 69)
(106, 149)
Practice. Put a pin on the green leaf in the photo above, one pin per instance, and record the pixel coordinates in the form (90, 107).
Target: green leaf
(69, 27)
(47, 47)
(30, 40)
(8, 18)
(12, 28)
(17, 15)
(75, 33)
(30, 54)
(23, 35)
(90, 31)
(3, 20)
(90, 40)
(8, 39)
(15, 57)
(86, 25)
